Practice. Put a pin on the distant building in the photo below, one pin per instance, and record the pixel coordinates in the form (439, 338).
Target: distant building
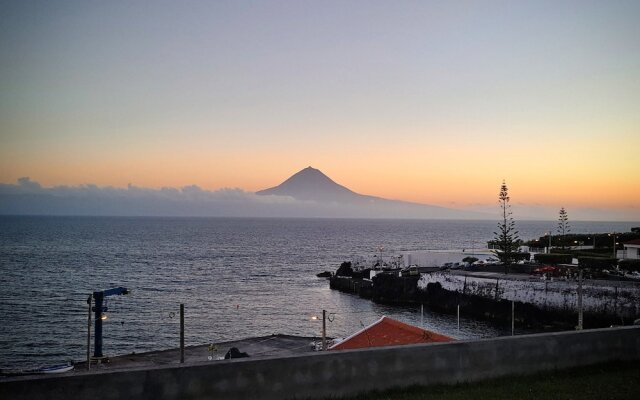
(631, 249)
(389, 332)
(437, 258)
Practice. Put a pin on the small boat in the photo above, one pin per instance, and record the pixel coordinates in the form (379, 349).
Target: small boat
(56, 369)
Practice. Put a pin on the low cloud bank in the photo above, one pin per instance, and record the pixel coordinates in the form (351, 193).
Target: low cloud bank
(28, 197)
(550, 213)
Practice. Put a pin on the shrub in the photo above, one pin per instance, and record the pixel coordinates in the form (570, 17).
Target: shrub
(597, 263)
(345, 269)
(522, 256)
(553, 258)
(629, 265)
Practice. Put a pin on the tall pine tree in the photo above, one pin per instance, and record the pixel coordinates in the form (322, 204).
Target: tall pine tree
(506, 238)
(563, 225)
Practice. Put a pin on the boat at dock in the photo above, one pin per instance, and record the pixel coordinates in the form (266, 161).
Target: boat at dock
(54, 369)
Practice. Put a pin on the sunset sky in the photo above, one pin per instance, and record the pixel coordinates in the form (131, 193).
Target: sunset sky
(431, 102)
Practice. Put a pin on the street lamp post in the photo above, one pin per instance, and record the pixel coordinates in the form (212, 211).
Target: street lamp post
(324, 327)
(614, 243)
(324, 330)
(549, 248)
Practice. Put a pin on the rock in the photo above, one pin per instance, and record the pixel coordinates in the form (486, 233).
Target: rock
(345, 269)
(234, 353)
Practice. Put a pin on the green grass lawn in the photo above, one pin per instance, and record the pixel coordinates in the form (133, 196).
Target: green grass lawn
(605, 381)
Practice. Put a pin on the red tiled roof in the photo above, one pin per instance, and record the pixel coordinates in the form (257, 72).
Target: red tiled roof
(634, 241)
(389, 332)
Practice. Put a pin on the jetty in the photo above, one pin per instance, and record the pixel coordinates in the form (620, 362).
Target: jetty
(277, 345)
(535, 301)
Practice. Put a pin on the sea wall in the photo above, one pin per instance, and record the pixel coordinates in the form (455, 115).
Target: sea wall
(385, 288)
(393, 289)
(341, 373)
(619, 300)
(347, 284)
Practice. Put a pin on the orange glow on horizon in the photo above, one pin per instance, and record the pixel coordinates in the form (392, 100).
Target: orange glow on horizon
(432, 185)
(449, 171)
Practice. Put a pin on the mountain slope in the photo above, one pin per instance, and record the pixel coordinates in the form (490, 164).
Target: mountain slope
(333, 199)
(312, 184)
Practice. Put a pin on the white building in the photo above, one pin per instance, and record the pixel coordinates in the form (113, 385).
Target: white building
(631, 250)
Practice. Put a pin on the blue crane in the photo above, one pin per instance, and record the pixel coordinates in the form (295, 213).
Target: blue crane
(98, 309)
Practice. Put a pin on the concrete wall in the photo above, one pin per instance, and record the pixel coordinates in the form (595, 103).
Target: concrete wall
(435, 258)
(621, 299)
(341, 372)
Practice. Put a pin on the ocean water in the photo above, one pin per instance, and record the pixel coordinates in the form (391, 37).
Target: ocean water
(237, 278)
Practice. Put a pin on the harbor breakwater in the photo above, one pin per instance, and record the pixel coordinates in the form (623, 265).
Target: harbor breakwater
(383, 288)
(536, 303)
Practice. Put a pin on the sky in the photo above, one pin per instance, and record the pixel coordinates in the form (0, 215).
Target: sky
(428, 102)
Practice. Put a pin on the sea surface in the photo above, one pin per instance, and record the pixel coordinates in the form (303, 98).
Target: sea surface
(236, 277)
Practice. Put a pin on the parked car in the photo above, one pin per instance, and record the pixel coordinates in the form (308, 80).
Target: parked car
(547, 269)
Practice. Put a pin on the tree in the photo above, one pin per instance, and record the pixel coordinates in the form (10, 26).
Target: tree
(345, 269)
(563, 225)
(506, 238)
(469, 260)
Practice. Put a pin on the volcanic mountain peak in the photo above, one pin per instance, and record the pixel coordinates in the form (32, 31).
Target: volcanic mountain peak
(329, 198)
(311, 184)
(308, 175)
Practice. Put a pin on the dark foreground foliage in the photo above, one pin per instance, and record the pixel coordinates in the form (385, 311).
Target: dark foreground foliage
(605, 381)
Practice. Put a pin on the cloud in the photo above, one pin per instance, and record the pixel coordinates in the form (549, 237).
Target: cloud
(190, 193)
(28, 197)
(536, 211)
(26, 185)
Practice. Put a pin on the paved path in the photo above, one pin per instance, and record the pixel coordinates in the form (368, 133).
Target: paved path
(258, 347)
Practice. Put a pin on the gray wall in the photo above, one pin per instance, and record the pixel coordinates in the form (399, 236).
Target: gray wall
(606, 298)
(341, 372)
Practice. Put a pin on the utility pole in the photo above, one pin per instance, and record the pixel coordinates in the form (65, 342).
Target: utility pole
(324, 330)
(89, 335)
(513, 319)
(181, 333)
(458, 318)
(579, 327)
